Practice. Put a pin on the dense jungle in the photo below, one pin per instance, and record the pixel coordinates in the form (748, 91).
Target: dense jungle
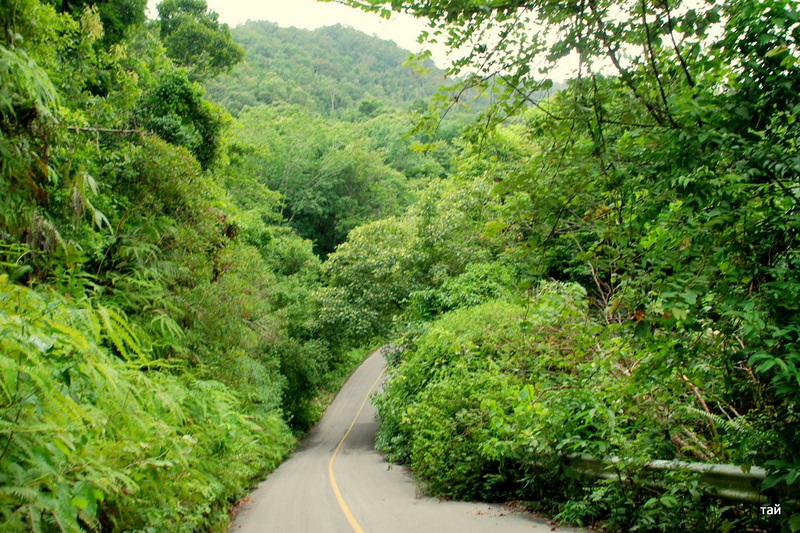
(204, 229)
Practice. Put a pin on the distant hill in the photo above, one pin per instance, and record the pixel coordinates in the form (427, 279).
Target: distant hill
(336, 70)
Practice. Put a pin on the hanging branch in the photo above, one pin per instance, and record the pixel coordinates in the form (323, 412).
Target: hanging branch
(652, 57)
(109, 130)
(625, 76)
(675, 47)
(528, 97)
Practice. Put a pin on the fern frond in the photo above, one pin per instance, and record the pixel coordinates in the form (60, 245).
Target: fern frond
(64, 515)
(735, 425)
(120, 333)
(170, 269)
(35, 517)
(7, 427)
(740, 431)
(25, 494)
(89, 521)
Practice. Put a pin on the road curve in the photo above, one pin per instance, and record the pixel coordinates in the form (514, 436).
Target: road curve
(335, 482)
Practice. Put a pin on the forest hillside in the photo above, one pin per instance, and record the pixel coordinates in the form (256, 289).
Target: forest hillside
(336, 70)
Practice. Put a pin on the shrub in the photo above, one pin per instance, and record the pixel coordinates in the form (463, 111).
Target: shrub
(98, 440)
(492, 401)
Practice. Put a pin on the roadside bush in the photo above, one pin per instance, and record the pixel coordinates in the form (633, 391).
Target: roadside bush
(506, 337)
(494, 401)
(449, 425)
(96, 433)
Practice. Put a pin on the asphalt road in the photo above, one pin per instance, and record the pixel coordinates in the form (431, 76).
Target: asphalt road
(335, 482)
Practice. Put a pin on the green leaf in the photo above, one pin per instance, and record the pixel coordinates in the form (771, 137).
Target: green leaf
(766, 365)
(80, 501)
(680, 313)
(689, 297)
(524, 393)
(669, 501)
(772, 480)
(794, 522)
(777, 50)
(61, 445)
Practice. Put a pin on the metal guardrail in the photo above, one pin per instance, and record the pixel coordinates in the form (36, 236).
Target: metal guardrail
(727, 482)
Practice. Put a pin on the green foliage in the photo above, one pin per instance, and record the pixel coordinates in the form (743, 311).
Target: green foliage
(118, 17)
(479, 283)
(330, 180)
(27, 91)
(162, 323)
(27, 103)
(154, 308)
(663, 178)
(391, 136)
(175, 110)
(87, 437)
(331, 71)
(292, 256)
(397, 270)
(488, 401)
(367, 278)
(194, 39)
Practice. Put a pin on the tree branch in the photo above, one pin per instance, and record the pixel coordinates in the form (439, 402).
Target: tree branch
(109, 130)
(681, 60)
(652, 56)
(623, 73)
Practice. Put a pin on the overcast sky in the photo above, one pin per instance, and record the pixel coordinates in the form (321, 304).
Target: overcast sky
(310, 14)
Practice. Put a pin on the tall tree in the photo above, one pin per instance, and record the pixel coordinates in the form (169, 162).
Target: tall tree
(176, 111)
(195, 39)
(118, 16)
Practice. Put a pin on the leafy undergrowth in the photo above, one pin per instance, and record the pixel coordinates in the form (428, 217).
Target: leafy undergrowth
(491, 399)
(336, 377)
(96, 434)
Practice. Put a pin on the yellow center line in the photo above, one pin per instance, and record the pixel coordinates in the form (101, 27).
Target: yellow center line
(345, 509)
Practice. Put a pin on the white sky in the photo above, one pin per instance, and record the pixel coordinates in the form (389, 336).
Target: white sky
(311, 14)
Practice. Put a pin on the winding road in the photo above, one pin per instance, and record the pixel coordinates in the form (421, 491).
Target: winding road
(336, 482)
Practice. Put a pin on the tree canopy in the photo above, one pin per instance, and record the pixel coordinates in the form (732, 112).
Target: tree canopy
(335, 70)
(194, 38)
